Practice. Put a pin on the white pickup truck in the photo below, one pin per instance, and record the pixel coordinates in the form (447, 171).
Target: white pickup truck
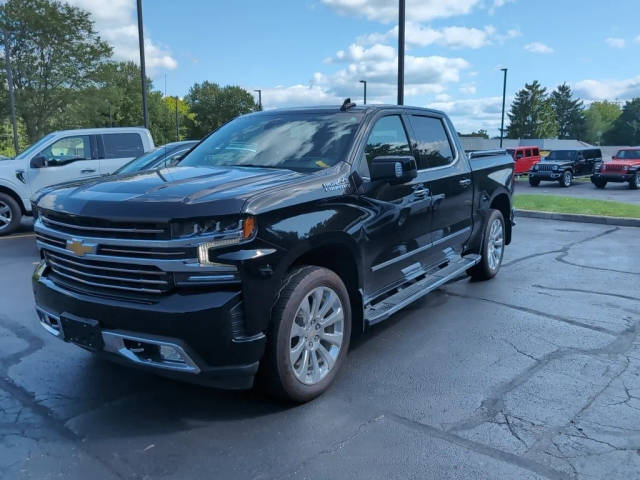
(61, 157)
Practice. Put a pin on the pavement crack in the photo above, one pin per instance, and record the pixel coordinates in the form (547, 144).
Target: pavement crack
(539, 313)
(591, 292)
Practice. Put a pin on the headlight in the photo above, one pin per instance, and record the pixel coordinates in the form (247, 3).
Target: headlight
(554, 168)
(535, 167)
(625, 167)
(226, 234)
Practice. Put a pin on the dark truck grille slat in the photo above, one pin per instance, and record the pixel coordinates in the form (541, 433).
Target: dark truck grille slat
(104, 228)
(107, 275)
(612, 168)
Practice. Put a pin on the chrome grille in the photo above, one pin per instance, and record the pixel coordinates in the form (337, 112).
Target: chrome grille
(77, 225)
(545, 168)
(85, 273)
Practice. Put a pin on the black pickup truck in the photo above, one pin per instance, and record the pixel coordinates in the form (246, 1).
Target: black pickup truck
(276, 237)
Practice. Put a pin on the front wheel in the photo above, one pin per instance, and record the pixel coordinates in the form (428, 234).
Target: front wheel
(493, 243)
(600, 184)
(567, 179)
(10, 214)
(534, 182)
(634, 183)
(308, 338)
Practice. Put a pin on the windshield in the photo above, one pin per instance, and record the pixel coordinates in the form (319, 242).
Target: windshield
(561, 155)
(510, 152)
(143, 161)
(36, 146)
(303, 142)
(627, 154)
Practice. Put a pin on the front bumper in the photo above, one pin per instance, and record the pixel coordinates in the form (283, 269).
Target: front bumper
(611, 177)
(199, 333)
(546, 175)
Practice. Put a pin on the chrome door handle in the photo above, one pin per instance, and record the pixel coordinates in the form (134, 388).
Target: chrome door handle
(465, 182)
(88, 170)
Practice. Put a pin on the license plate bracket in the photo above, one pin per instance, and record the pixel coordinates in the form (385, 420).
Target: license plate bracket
(82, 331)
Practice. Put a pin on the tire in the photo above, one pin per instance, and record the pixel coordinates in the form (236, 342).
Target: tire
(634, 183)
(600, 184)
(305, 370)
(493, 236)
(567, 179)
(10, 214)
(534, 182)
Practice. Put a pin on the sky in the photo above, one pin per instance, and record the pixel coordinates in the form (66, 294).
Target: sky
(310, 52)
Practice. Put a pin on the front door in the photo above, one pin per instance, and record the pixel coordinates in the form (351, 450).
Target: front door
(66, 159)
(397, 232)
(447, 174)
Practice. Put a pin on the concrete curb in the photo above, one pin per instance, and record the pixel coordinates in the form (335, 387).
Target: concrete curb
(574, 217)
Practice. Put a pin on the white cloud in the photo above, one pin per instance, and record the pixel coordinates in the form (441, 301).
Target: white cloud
(297, 95)
(614, 42)
(497, 4)
(538, 47)
(473, 114)
(625, 89)
(637, 39)
(357, 53)
(468, 89)
(416, 10)
(116, 22)
(417, 35)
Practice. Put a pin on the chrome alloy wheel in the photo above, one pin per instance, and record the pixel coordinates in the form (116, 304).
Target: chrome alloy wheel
(638, 180)
(496, 244)
(316, 335)
(5, 215)
(566, 178)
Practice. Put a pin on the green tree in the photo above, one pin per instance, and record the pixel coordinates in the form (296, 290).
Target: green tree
(569, 113)
(600, 117)
(54, 51)
(531, 114)
(482, 133)
(213, 106)
(626, 128)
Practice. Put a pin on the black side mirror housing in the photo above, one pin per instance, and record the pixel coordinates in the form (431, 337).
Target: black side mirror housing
(38, 162)
(394, 168)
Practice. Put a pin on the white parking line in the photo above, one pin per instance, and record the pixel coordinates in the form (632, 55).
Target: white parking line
(25, 235)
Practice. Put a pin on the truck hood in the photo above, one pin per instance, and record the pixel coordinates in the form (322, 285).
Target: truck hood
(629, 162)
(163, 194)
(556, 162)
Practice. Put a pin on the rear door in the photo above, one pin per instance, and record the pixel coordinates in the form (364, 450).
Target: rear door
(447, 174)
(116, 149)
(68, 158)
(397, 233)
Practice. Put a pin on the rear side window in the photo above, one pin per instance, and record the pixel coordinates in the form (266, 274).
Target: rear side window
(536, 152)
(527, 153)
(387, 137)
(122, 145)
(432, 143)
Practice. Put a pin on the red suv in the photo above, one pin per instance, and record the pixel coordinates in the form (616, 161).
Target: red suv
(525, 158)
(623, 167)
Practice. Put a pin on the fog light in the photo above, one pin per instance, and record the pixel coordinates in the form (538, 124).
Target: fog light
(170, 354)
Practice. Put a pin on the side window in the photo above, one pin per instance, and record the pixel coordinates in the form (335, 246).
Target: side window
(536, 152)
(122, 145)
(387, 137)
(432, 143)
(174, 159)
(527, 152)
(519, 154)
(67, 150)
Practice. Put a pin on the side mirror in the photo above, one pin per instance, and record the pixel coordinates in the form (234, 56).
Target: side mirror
(38, 162)
(394, 168)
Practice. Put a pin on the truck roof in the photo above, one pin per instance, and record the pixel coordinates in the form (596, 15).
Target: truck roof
(357, 108)
(101, 130)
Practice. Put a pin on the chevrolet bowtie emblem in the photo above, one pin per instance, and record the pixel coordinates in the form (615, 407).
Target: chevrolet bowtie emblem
(79, 248)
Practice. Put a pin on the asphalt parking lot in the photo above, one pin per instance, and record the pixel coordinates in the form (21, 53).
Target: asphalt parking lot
(617, 192)
(535, 374)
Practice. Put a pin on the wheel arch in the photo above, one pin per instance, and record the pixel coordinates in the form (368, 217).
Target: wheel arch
(13, 194)
(502, 203)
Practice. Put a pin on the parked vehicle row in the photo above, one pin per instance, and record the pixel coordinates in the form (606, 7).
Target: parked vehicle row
(623, 167)
(272, 240)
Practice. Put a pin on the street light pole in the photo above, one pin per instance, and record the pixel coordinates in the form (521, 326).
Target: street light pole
(401, 52)
(143, 73)
(259, 99)
(12, 102)
(364, 82)
(177, 130)
(504, 96)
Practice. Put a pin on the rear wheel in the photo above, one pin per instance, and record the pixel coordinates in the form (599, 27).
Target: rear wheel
(566, 179)
(534, 182)
(600, 183)
(309, 335)
(10, 214)
(493, 243)
(634, 183)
